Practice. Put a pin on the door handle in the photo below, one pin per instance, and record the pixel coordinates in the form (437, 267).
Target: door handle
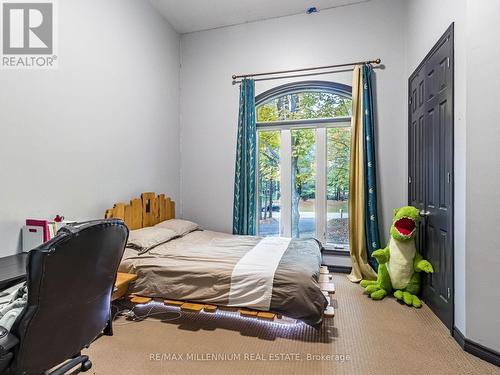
(424, 213)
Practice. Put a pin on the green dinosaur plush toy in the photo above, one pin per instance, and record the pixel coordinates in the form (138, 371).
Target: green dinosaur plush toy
(400, 264)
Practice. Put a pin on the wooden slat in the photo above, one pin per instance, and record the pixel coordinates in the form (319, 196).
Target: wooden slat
(170, 209)
(108, 214)
(173, 302)
(162, 208)
(149, 209)
(193, 307)
(156, 210)
(168, 214)
(210, 308)
(139, 299)
(248, 313)
(265, 315)
(136, 222)
(119, 211)
(128, 215)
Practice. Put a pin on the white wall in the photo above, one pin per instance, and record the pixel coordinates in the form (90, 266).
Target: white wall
(209, 102)
(483, 177)
(105, 125)
(427, 21)
(101, 128)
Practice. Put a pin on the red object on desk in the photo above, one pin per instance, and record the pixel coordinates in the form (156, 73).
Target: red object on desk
(58, 219)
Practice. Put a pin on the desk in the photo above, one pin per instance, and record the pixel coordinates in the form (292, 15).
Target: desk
(12, 269)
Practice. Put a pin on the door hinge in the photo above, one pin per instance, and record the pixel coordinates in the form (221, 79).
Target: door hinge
(410, 101)
(409, 179)
(449, 177)
(448, 61)
(449, 293)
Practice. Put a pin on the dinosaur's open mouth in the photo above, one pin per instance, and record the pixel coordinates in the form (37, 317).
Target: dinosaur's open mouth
(405, 226)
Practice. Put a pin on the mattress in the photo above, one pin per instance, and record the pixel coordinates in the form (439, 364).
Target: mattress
(275, 274)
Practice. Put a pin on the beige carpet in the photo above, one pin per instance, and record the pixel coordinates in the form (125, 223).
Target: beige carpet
(366, 337)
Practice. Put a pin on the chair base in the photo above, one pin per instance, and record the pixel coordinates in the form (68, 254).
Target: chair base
(5, 361)
(82, 360)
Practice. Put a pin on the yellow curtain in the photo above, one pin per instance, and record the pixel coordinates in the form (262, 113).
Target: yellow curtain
(357, 240)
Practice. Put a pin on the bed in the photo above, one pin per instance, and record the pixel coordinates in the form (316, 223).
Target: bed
(190, 264)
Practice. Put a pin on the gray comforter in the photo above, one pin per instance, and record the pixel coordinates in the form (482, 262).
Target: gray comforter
(12, 302)
(227, 270)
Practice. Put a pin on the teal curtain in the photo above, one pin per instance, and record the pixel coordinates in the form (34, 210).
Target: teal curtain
(245, 171)
(371, 217)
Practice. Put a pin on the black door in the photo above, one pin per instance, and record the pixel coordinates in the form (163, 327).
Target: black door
(430, 183)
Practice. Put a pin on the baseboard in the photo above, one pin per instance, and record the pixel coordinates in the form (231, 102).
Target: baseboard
(340, 269)
(459, 337)
(478, 350)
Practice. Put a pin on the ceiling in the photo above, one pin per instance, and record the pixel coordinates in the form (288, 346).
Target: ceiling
(195, 15)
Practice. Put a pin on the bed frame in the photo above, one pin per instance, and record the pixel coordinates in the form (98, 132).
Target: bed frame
(146, 211)
(150, 209)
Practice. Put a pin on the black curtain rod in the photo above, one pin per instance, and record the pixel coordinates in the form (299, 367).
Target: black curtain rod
(376, 61)
(235, 82)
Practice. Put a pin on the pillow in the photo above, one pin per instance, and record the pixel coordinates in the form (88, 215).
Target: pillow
(180, 227)
(146, 238)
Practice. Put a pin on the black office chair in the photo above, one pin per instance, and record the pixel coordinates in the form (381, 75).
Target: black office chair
(70, 282)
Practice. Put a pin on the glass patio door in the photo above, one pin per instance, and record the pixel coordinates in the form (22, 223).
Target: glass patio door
(303, 189)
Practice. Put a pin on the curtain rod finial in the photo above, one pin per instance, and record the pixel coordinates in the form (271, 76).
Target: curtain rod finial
(378, 61)
(234, 76)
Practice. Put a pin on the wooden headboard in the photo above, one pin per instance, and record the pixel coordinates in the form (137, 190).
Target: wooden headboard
(143, 212)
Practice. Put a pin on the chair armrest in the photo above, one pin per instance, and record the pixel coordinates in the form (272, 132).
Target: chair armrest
(7, 341)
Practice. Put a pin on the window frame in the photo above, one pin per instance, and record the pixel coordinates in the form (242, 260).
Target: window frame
(285, 127)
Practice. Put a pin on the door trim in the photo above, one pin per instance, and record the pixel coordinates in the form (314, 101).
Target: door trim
(449, 33)
(285, 183)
